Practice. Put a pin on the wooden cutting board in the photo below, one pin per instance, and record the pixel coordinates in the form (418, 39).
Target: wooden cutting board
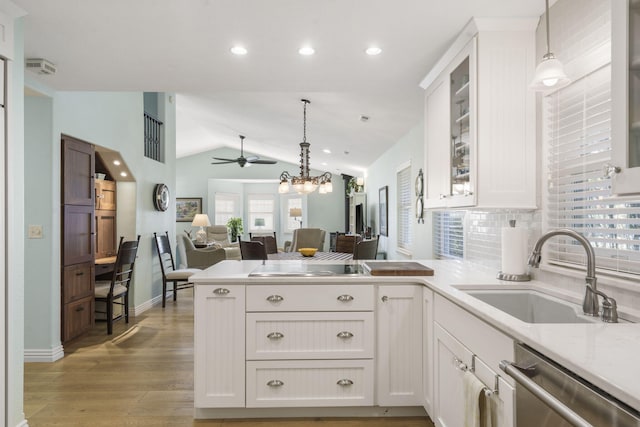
(398, 269)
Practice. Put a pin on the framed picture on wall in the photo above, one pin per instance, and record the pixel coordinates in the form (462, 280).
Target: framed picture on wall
(187, 208)
(383, 206)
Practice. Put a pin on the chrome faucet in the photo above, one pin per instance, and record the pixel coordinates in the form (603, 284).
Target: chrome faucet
(590, 304)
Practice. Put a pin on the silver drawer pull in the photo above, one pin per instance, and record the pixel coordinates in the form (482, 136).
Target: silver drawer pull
(345, 298)
(275, 335)
(345, 335)
(344, 382)
(275, 383)
(274, 298)
(221, 291)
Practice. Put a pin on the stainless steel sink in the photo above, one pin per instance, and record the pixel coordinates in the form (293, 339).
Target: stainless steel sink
(532, 306)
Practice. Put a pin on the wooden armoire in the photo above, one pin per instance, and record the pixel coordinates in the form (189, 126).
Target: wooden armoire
(78, 237)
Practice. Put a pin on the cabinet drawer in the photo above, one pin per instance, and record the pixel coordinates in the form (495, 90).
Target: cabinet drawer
(78, 317)
(296, 383)
(310, 335)
(77, 282)
(302, 297)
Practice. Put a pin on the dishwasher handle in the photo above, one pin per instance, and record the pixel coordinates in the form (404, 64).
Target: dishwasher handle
(564, 411)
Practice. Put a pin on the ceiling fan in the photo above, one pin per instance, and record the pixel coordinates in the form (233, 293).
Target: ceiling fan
(242, 160)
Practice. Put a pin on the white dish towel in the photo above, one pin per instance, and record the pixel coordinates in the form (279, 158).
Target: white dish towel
(477, 407)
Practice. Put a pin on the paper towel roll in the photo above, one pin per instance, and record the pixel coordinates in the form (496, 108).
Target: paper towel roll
(514, 250)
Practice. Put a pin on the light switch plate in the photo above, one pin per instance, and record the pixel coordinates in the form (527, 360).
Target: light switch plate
(35, 232)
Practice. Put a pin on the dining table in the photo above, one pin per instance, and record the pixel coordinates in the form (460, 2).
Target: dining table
(319, 256)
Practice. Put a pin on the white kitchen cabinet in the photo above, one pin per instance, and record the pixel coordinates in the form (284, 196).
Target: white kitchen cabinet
(463, 342)
(219, 360)
(480, 146)
(310, 345)
(399, 344)
(427, 349)
(625, 96)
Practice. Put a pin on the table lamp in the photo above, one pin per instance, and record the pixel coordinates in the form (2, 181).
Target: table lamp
(201, 220)
(296, 213)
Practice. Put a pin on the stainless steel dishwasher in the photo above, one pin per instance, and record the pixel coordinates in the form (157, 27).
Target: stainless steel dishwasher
(548, 395)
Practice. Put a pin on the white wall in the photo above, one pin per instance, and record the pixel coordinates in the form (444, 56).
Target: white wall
(410, 148)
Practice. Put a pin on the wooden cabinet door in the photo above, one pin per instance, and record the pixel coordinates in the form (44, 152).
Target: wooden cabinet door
(399, 356)
(77, 282)
(78, 234)
(106, 195)
(106, 244)
(78, 318)
(78, 167)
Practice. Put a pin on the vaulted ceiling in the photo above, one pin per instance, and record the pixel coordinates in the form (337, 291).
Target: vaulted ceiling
(184, 47)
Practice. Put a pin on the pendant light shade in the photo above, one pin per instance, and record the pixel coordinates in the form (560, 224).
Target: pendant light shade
(550, 72)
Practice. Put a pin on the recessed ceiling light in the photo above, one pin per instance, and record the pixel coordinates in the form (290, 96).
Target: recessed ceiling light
(306, 50)
(123, 174)
(239, 50)
(327, 151)
(116, 162)
(373, 51)
(324, 163)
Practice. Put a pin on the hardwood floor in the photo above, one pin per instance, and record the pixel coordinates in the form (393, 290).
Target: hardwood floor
(142, 375)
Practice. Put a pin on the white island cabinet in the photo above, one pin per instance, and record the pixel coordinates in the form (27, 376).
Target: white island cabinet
(219, 364)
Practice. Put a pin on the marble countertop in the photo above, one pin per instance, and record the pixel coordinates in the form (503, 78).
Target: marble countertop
(603, 354)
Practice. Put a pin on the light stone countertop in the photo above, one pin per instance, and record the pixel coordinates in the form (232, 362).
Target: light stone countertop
(603, 354)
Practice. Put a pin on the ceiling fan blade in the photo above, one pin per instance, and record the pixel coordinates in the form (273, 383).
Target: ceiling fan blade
(262, 162)
(223, 163)
(225, 160)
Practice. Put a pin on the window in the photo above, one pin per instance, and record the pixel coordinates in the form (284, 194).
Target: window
(292, 223)
(578, 134)
(226, 206)
(448, 234)
(404, 208)
(261, 213)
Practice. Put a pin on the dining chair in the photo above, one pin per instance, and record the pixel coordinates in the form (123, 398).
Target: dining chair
(253, 249)
(308, 238)
(366, 249)
(346, 243)
(179, 277)
(116, 290)
(269, 242)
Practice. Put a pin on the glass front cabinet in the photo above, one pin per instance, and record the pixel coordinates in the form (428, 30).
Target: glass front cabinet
(625, 94)
(480, 147)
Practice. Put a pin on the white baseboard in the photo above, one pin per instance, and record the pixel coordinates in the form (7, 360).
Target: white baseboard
(147, 305)
(43, 355)
(23, 423)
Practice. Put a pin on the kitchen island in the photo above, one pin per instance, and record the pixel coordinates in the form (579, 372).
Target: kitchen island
(361, 345)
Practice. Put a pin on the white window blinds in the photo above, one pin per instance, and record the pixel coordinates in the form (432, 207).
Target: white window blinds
(404, 208)
(226, 206)
(578, 131)
(261, 212)
(448, 234)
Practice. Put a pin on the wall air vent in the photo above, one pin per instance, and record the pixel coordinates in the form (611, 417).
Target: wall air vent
(40, 66)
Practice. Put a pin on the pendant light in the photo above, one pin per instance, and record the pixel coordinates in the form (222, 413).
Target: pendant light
(550, 72)
(305, 184)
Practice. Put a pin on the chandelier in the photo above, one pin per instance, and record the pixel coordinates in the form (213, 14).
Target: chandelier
(305, 184)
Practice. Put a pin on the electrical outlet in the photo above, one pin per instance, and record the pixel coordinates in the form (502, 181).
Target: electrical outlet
(35, 232)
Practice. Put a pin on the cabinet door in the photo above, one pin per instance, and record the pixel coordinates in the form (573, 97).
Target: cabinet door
(77, 282)
(437, 138)
(219, 335)
(106, 195)
(399, 356)
(625, 96)
(77, 318)
(106, 244)
(78, 234)
(78, 172)
(448, 390)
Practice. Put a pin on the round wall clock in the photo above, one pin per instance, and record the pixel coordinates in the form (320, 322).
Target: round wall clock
(161, 197)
